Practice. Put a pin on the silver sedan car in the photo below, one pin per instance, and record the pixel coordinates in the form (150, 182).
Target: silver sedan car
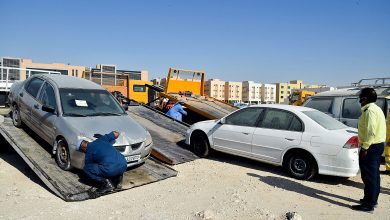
(61, 109)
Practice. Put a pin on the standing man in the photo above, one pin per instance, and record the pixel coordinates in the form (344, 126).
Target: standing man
(103, 163)
(372, 135)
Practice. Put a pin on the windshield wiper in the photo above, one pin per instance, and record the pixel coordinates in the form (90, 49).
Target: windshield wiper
(104, 114)
(75, 114)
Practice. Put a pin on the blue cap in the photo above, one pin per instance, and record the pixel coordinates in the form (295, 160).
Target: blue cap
(78, 143)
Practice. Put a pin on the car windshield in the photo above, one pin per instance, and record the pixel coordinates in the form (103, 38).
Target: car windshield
(87, 102)
(324, 120)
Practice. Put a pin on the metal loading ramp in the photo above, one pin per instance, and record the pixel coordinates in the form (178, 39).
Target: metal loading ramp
(205, 106)
(168, 135)
(67, 184)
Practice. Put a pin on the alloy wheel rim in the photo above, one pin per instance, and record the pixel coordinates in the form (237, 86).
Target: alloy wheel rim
(63, 154)
(15, 115)
(299, 165)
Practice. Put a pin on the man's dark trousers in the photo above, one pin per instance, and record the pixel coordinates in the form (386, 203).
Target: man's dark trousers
(369, 169)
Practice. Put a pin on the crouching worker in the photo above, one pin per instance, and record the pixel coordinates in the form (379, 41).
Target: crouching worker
(103, 163)
(177, 111)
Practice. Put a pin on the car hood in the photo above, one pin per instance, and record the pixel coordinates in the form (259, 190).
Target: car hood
(86, 127)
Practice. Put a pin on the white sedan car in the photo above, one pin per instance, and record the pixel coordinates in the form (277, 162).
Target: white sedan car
(303, 140)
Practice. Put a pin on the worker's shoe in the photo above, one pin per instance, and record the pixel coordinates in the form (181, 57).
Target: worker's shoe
(362, 202)
(118, 182)
(363, 208)
(106, 186)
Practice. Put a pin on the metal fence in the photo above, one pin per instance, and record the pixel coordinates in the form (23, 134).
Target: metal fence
(104, 78)
(8, 75)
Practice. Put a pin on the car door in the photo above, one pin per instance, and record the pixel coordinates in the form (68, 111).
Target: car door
(278, 130)
(235, 134)
(43, 120)
(27, 98)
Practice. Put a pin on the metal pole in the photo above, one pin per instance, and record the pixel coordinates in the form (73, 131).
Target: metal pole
(6, 81)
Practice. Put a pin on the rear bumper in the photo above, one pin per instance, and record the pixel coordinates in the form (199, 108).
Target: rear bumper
(345, 163)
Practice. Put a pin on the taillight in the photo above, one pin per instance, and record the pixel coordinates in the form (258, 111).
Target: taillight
(352, 143)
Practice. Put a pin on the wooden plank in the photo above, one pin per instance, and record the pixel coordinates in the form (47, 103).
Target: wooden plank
(168, 135)
(66, 184)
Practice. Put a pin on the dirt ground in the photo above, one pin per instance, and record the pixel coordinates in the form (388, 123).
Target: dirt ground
(221, 187)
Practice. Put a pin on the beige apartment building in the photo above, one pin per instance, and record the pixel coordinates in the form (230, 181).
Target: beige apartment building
(215, 88)
(233, 92)
(268, 93)
(283, 90)
(251, 92)
(33, 68)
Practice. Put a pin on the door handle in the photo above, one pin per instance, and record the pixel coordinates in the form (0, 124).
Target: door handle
(36, 106)
(245, 133)
(289, 139)
(21, 94)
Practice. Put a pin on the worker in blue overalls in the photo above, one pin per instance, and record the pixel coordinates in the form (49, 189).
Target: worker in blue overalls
(177, 111)
(103, 163)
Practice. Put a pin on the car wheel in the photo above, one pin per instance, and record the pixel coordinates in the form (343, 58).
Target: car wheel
(63, 155)
(301, 166)
(16, 119)
(200, 145)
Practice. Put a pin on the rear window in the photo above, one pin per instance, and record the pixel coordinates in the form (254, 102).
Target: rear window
(33, 86)
(324, 120)
(351, 107)
(323, 105)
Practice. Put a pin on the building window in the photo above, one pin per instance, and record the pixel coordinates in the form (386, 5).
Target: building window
(72, 72)
(77, 73)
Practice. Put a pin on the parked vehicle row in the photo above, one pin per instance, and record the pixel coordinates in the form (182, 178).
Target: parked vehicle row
(61, 109)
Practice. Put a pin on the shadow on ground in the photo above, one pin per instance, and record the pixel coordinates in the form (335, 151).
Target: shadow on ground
(277, 170)
(297, 187)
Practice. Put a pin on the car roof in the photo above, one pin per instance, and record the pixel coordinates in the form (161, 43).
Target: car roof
(291, 108)
(65, 81)
(353, 91)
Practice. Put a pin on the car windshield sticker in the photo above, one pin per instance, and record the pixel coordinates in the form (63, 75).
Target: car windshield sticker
(81, 103)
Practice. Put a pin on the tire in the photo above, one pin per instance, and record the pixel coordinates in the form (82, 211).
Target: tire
(200, 145)
(301, 166)
(16, 119)
(63, 155)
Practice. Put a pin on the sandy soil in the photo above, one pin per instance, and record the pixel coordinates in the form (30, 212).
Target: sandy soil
(221, 187)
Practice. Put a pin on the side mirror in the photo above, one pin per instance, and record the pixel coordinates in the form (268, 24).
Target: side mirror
(222, 121)
(47, 108)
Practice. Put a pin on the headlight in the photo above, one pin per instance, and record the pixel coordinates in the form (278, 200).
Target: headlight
(148, 140)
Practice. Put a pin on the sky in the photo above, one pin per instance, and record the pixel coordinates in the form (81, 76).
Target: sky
(332, 42)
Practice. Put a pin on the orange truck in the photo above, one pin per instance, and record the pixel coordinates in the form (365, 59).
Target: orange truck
(299, 97)
(187, 86)
(136, 90)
